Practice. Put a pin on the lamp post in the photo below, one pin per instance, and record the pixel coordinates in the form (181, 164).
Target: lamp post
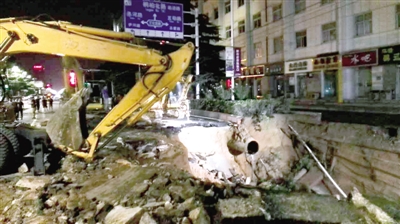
(232, 43)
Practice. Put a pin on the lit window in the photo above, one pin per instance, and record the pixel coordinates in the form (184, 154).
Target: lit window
(364, 24)
(258, 52)
(301, 39)
(278, 44)
(257, 20)
(277, 12)
(299, 5)
(241, 25)
(328, 32)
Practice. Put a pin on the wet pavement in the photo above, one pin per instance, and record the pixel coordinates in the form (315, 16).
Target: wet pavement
(43, 115)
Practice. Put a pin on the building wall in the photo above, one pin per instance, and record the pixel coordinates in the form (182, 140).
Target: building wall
(312, 19)
(316, 14)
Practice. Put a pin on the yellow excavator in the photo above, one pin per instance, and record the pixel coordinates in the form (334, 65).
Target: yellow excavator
(64, 39)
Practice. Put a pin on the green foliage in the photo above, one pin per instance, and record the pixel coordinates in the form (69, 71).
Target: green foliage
(245, 108)
(305, 162)
(249, 108)
(242, 92)
(222, 93)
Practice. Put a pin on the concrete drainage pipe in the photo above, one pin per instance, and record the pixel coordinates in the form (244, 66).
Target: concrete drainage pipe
(246, 144)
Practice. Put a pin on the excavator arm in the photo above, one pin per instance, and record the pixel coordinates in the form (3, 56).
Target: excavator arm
(65, 39)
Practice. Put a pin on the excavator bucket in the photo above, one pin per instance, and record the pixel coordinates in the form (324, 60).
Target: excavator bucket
(64, 127)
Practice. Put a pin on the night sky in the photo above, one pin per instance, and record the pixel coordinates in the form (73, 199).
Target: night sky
(83, 12)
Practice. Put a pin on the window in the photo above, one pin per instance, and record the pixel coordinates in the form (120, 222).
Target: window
(301, 39)
(257, 20)
(240, 3)
(278, 44)
(215, 13)
(277, 12)
(227, 6)
(328, 32)
(228, 32)
(323, 2)
(299, 5)
(364, 24)
(398, 16)
(258, 50)
(241, 25)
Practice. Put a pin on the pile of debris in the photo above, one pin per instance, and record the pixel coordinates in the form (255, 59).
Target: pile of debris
(145, 179)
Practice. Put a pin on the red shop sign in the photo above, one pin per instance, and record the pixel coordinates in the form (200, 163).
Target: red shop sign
(360, 59)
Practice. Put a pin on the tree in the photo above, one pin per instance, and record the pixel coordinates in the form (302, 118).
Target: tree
(212, 67)
(17, 80)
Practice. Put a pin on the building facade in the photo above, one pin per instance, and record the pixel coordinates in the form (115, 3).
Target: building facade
(339, 50)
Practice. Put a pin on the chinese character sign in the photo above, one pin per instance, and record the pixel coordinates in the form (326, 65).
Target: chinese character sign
(360, 59)
(389, 55)
(237, 62)
(229, 61)
(150, 18)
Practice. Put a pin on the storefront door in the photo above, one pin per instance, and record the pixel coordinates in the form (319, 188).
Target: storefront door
(302, 84)
(279, 86)
(330, 84)
(364, 82)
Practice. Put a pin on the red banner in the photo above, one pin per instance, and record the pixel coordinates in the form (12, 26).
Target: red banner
(360, 59)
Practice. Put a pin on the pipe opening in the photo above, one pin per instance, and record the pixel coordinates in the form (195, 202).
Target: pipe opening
(252, 147)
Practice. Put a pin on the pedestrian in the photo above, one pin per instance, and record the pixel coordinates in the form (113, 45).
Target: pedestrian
(44, 103)
(34, 107)
(16, 109)
(51, 103)
(37, 103)
(19, 109)
(104, 94)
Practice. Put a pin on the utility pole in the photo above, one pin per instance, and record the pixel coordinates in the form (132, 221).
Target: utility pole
(232, 43)
(196, 37)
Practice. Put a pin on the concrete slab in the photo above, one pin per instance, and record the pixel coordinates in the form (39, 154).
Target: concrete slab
(312, 177)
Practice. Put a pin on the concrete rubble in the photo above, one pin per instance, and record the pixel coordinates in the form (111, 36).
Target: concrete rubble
(151, 175)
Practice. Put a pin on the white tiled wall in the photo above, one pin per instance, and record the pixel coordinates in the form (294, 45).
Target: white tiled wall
(312, 19)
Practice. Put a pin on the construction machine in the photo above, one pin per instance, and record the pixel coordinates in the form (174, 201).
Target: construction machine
(178, 108)
(64, 129)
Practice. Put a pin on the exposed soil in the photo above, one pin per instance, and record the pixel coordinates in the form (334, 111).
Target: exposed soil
(152, 173)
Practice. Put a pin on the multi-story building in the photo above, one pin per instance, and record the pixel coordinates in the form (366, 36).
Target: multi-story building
(314, 49)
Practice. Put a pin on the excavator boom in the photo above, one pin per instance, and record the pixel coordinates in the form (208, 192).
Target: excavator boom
(65, 39)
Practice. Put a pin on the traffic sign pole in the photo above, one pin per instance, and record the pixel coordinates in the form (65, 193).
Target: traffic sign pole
(197, 43)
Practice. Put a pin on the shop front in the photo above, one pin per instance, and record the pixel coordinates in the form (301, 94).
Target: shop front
(253, 77)
(327, 68)
(276, 78)
(367, 75)
(303, 83)
(389, 65)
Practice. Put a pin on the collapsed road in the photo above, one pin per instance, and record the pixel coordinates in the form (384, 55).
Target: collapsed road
(175, 171)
